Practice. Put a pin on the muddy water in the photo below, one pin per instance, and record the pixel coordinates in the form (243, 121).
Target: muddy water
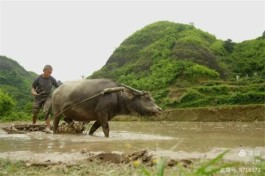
(131, 136)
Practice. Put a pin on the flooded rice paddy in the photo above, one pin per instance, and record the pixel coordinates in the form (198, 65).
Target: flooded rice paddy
(173, 139)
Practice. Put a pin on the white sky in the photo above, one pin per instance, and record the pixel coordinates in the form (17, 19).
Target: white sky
(78, 37)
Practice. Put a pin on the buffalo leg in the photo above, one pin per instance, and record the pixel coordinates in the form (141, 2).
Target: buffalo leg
(56, 122)
(105, 125)
(94, 127)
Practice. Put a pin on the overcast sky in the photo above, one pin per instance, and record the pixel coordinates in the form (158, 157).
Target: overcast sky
(78, 37)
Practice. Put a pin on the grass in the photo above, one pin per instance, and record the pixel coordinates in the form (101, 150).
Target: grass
(216, 166)
(238, 113)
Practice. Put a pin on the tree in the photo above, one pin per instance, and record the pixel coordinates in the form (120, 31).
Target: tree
(6, 103)
(229, 45)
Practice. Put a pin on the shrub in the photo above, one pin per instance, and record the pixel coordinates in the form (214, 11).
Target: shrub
(6, 103)
(200, 71)
(190, 96)
(216, 90)
(16, 116)
(246, 98)
(250, 97)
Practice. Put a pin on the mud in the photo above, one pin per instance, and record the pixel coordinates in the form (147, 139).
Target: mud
(144, 157)
(63, 128)
(143, 142)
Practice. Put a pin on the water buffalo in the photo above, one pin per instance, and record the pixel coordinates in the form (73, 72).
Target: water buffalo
(108, 99)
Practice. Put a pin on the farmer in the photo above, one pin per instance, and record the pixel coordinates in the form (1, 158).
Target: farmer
(41, 89)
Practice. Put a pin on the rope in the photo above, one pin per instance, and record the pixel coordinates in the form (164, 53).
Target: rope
(77, 104)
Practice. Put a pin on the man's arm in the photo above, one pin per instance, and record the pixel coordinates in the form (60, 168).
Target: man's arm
(33, 88)
(55, 83)
(33, 92)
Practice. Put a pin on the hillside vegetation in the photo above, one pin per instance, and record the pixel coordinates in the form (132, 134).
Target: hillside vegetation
(15, 85)
(183, 66)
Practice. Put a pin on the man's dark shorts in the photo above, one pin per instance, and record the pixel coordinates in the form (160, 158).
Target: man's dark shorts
(44, 103)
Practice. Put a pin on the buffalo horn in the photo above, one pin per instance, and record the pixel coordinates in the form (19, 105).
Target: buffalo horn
(132, 89)
(114, 89)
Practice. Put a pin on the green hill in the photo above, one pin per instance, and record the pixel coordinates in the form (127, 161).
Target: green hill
(247, 58)
(16, 82)
(184, 66)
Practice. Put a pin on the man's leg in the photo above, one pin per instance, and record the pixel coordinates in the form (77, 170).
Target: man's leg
(35, 111)
(47, 111)
(47, 117)
(34, 119)
(48, 125)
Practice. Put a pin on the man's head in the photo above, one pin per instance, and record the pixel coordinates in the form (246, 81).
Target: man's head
(47, 71)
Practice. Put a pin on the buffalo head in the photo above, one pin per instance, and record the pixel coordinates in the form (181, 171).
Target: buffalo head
(140, 102)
